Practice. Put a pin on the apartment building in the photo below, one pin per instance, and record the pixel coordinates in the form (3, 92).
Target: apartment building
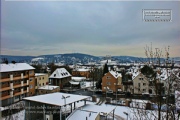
(41, 79)
(17, 81)
(112, 82)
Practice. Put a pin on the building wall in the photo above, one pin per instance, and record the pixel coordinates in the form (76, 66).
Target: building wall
(14, 86)
(41, 80)
(42, 91)
(81, 74)
(111, 82)
(60, 82)
(140, 84)
(31, 83)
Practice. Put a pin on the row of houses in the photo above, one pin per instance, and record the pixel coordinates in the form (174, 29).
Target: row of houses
(139, 83)
(19, 80)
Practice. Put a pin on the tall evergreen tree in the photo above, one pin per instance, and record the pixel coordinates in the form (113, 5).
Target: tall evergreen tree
(105, 70)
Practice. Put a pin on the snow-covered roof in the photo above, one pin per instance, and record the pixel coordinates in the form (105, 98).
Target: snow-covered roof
(135, 74)
(74, 83)
(140, 101)
(78, 78)
(15, 67)
(56, 98)
(115, 74)
(99, 109)
(40, 74)
(83, 115)
(48, 87)
(60, 73)
(83, 70)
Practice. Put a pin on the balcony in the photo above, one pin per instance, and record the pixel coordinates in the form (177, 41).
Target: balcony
(16, 93)
(4, 79)
(17, 85)
(3, 97)
(25, 91)
(5, 88)
(11, 78)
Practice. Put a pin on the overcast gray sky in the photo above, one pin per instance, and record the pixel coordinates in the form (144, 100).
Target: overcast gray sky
(96, 28)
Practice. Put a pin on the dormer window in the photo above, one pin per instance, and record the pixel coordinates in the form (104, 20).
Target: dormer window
(54, 75)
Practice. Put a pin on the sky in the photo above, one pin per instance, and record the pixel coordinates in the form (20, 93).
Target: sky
(92, 27)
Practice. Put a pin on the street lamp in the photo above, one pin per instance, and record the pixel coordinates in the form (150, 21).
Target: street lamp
(64, 97)
(126, 114)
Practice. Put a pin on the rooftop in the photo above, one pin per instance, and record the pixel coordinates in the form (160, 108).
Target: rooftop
(15, 67)
(56, 98)
(48, 87)
(40, 74)
(83, 115)
(60, 73)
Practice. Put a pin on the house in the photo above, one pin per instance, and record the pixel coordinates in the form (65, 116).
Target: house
(17, 81)
(48, 89)
(140, 83)
(60, 77)
(81, 72)
(41, 79)
(112, 82)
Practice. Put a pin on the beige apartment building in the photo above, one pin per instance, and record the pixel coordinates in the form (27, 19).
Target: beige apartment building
(17, 82)
(41, 79)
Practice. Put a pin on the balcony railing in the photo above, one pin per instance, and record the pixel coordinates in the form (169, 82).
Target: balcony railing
(5, 97)
(12, 78)
(17, 93)
(5, 88)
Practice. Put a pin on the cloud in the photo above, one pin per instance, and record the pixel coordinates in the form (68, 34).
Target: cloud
(91, 27)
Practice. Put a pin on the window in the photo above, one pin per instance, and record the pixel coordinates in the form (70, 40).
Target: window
(43, 78)
(144, 90)
(144, 84)
(43, 84)
(30, 79)
(40, 78)
(30, 86)
(30, 72)
(139, 84)
(108, 77)
(140, 78)
(108, 83)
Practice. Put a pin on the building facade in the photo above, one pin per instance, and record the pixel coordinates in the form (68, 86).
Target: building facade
(48, 89)
(60, 77)
(140, 84)
(41, 79)
(112, 82)
(17, 82)
(81, 72)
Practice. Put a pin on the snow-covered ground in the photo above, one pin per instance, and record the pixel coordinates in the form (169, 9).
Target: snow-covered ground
(18, 116)
(122, 111)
